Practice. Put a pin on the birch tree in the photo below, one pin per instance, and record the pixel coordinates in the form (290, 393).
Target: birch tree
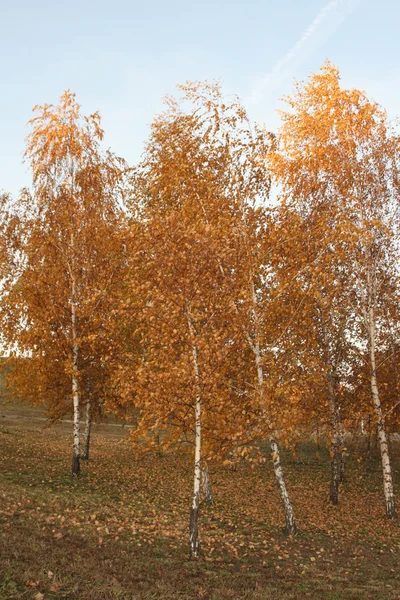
(178, 385)
(246, 185)
(199, 264)
(313, 257)
(71, 244)
(339, 150)
(252, 236)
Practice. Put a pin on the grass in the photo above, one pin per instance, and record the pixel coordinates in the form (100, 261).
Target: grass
(120, 531)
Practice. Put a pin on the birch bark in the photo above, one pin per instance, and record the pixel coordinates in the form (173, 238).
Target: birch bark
(342, 453)
(336, 442)
(382, 437)
(194, 511)
(337, 445)
(276, 459)
(87, 433)
(75, 386)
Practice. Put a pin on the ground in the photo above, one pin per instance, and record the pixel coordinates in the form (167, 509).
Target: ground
(120, 531)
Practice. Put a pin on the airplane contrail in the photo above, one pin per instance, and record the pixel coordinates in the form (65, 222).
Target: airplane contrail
(337, 10)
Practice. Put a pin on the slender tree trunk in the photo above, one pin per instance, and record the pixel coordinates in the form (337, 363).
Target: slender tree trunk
(342, 471)
(207, 489)
(335, 473)
(369, 433)
(76, 467)
(159, 450)
(382, 437)
(370, 323)
(336, 443)
(276, 459)
(88, 430)
(287, 505)
(317, 439)
(194, 511)
(342, 450)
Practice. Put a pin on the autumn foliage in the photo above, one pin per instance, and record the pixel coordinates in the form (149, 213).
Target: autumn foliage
(179, 294)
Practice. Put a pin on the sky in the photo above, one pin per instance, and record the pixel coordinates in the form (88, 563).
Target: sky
(122, 57)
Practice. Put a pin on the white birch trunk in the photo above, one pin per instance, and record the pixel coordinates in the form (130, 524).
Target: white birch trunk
(276, 459)
(194, 511)
(287, 505)
(336, 443)
(369, 433)
(75, 389)
(382, 437)
(342, 453)
(88, 431)
(317, 438)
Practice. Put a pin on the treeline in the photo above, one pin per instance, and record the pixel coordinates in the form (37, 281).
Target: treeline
(234, 288)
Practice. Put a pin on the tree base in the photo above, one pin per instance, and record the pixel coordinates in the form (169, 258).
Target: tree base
(291, 528)
(194, 531)
(76, 466)
(333, 498)
(391, 512)
(336, 463)
(85, 448)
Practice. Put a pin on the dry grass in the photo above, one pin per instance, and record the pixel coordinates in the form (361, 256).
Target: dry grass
(120, 531)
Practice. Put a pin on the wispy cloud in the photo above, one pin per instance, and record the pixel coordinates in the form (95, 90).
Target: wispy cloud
(321, 28)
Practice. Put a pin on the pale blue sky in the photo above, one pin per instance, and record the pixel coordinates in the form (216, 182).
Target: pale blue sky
(122, 56)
